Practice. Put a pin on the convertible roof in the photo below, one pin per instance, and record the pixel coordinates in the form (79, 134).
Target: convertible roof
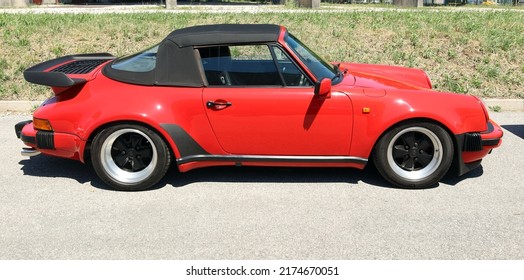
(224, 34)
(177, 62)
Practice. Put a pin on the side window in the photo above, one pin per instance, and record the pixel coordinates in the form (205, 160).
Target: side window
(291, 74)
(216, 62)
(247, 65)
(141, 62)
(251, 52)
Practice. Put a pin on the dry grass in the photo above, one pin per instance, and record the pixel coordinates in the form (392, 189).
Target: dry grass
(480, 53)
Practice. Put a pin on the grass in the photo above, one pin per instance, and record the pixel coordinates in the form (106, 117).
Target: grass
(496, 109)
(479, 53)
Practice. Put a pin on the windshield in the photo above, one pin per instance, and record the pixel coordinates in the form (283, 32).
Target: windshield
(141, 62)
(315, 64)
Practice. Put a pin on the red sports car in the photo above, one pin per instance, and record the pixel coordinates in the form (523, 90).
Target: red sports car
(250, 95)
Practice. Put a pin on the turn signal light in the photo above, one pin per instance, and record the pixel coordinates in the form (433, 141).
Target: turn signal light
(42, 124)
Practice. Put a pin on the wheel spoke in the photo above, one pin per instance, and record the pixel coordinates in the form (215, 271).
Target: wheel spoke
(409, 139)
(119, 146)
(137, 165)
(145, 153)
(424, 159)
(142, 163)
(408, 164)
(120, 160)
(399, 152)
(135, 140)
(124, 141)
(425, 144)
(144, 145)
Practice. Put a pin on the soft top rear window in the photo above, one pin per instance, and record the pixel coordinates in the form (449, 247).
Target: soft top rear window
(141, 62)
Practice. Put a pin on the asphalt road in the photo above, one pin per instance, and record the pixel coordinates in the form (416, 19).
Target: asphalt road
(58, 209)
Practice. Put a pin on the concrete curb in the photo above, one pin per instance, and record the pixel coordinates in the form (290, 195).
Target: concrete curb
(502, 105)
(515, 105)
(24, 106)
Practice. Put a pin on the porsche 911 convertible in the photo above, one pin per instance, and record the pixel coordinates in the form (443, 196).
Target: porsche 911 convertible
(250, 95)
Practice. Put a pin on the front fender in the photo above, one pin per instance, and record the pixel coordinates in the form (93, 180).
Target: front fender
(375, 115)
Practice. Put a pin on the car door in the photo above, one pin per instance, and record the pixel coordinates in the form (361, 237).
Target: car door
(260, 103)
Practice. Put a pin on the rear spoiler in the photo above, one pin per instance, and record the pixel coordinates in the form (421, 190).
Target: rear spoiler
(54, 73)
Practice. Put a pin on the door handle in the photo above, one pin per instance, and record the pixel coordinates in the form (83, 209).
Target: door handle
(218, 104)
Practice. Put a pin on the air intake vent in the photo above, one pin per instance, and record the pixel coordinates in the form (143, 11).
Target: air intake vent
(79, 67)
(472, 142)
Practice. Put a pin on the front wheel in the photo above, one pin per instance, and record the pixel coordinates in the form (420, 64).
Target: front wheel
(414, 155)
(130, 157)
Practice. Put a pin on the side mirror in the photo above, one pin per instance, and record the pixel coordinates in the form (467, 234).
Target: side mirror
(323, 88)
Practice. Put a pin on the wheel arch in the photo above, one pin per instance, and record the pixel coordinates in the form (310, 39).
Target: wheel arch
(456, 148)
(85, 151)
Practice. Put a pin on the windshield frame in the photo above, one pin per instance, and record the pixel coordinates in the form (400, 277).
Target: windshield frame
(316, 65)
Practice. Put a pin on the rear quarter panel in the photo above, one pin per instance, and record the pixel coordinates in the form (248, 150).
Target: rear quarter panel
(83, 111)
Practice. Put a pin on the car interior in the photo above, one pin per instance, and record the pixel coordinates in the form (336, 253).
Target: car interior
(221, 69)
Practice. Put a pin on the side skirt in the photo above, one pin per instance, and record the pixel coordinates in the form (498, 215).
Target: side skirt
(192, 155)
(238, 160)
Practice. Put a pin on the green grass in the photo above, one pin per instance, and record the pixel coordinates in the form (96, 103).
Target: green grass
(495, 108)
(479, 53)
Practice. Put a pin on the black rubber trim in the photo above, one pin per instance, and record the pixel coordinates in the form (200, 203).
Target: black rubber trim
(257, 158)
(28, 139)
(459, 166)
(45, 140)
(467, 167)
(490, 142)
(458, 163)
(186, 145)
(490, 129)
(19, 126)
(472, 142)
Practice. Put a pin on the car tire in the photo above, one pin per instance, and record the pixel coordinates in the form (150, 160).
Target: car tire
(414, 155)
(130, 157)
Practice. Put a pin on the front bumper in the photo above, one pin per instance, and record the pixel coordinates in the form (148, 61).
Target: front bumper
(475, 146)
(47, 142)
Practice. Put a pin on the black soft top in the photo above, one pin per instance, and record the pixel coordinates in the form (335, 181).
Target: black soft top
(224, 34)
(177, 61)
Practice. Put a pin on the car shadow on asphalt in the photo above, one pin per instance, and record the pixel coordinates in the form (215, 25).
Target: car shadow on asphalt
(275, 175)
(452, 179)
(517, 129)
(52, 167)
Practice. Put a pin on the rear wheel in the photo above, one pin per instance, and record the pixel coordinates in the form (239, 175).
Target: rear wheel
(414, 155)
(130, 157)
